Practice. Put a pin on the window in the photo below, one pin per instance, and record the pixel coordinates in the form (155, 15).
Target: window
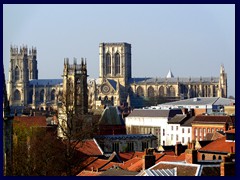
(188, 139)
(140, 91)
(42, 95)
(212, 130)
(182, 130)
(163, 132)
(214, 157)
(188, 130)
(115, 146)
(203, 157)
(182, 140)
(108, 63)
(163, 143)
(204, 132)
(150, 92)
(53, 95)
(117, 63)
(17, 95)
(171, 137)
(17, 74)
(144, 145)
(130, 146)
(161, 91)
(200, 132)
(176, 137)
(208, 130)
(195, 131)
(176, 128)
(172, 128)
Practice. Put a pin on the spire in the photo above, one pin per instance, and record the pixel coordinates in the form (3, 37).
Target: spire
(170, 75)
(222, 69)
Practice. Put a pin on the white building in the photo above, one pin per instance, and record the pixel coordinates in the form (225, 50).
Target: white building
(154, 121)
(179, 130)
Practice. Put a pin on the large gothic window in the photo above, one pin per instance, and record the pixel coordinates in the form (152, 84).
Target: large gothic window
(140, 91)
(42, 95)
(17, 95)
(117, 63)
(150, 92)
(108, 63)
(17, 74)
(161, 91)
(30, 99)
(53, 95)
(172, 91)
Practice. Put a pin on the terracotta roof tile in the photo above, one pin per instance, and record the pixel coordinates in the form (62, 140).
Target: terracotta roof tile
(97, 164)
(89, 173)
(89, 147)
(130, 162)
(137, 166)
(30, 121)
(125, 156)
(219, 145)
(211, 119)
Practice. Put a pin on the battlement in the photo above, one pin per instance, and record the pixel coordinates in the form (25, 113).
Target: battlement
(75, 67)
(23, 50)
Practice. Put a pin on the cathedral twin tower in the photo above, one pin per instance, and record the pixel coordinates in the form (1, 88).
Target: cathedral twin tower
(114, 86)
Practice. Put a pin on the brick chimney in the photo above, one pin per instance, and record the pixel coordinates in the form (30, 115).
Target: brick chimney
(227, 167)
(148, 158)
(191, 154)
(178, 149)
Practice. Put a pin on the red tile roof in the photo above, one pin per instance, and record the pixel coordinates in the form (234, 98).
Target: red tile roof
(97, 164)
(130, 162)
(89, 173)
(219, 145)
(89, 147)
(172, 158)
(110, 165)
(137, 166)
(125, 156)
(211, 119)
(30, 121)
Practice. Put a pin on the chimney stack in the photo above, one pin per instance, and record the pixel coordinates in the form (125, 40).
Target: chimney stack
(191, 154)
(227, 167)
(148, 158)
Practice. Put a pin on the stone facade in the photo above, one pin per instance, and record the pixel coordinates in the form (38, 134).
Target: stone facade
(114, 86)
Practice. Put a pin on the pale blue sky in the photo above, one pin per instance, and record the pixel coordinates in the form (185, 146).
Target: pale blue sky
(191, 40)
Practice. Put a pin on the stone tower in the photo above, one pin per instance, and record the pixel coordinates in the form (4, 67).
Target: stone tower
(74, 98)
(23, 66)
(222, 83)
(115, 62)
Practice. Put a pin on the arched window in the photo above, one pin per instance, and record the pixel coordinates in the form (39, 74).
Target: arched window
(17, 74)
(203, 157)
(214, 157)
(161, 91)
(53, 95)
(108, 63)
(17, 95)
(117, 63)
(172, 91)
(150, 92)
(219, 157)
(42, 95)
(30, 95)
(140, 91)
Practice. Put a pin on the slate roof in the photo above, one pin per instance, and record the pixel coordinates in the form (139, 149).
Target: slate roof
(126, 136)
(150, 80)
(178, 119)
(182, 168)
(111, 116)
(220, 145)
(188, 122)
(44, 82)
(155, 113)
(158, 172)
(201, 101)
(213, 136)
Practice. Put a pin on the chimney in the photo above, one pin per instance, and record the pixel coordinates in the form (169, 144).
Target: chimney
(148, 158)
(227, 167)
(178, 149)
(191, 154)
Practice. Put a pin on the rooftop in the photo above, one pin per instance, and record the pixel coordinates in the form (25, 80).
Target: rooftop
(155, 113)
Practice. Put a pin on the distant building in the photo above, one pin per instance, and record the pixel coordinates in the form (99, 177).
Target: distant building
(114, 86)
(151, 121)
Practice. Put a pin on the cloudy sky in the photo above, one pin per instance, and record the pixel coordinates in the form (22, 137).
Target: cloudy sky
(191, 40)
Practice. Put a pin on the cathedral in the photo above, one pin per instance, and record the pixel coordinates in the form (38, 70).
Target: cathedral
(115, 85)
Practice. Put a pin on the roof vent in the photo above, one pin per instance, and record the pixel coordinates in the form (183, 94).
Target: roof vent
(195, 99)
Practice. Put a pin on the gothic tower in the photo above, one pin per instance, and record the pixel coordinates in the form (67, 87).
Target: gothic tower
(115, 62)
(32, 64)
(74, 95)
(222, 83)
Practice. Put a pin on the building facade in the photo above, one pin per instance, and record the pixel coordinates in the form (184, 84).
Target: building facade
(114, 86)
